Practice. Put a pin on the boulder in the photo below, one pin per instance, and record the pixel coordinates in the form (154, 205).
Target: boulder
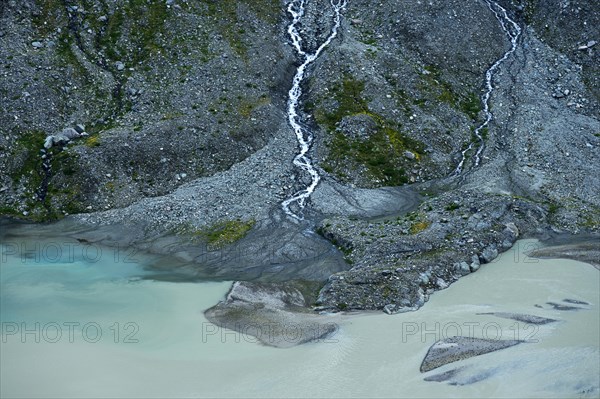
(390, 308)
(489, 254)
(475, 264)
(49, 142)
(462, 268)
(69, 133)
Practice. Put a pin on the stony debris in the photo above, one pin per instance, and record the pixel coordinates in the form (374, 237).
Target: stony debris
(453, 349)
(182, 126)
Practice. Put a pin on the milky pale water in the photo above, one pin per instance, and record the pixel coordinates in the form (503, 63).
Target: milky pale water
(155, 341)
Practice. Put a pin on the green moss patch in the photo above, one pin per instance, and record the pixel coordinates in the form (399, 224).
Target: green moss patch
(226, 232)
(230, 21)
(49, 15)
(433, 83)
(142, 22)
(381, 153)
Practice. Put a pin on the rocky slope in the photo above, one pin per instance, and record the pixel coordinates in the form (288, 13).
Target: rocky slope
(184, 107)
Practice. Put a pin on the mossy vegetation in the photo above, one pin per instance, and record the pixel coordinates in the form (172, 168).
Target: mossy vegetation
(230, 23)
(29, 173)
(66, 56)
(381, 154)
(452, 206)
(346, 250)
(142, 22)
(48, 16)
(591, 219)
(248, 105)
(225, 233)
(42, 200)
(93, 141)
(433, 83)
(419, 226)
(309, 289)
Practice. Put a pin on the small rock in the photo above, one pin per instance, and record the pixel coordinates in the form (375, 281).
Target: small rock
(475, 264)
(510, 233)
(462, 268)
(489, 254)
(37, 44)
(588, 45)
(80, 128)
(409, 155)
(49, 142)
(102, 18)
(70, 133)
(119, 65)
(390, 308)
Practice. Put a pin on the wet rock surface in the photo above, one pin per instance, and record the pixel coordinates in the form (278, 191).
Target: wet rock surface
(453, 349)
(587, 251)
(526, 318)
(275, 315)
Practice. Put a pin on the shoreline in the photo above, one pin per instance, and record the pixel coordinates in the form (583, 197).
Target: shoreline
(248, 304)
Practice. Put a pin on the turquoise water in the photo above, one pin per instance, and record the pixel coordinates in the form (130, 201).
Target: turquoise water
(42, 275)
(125, 336)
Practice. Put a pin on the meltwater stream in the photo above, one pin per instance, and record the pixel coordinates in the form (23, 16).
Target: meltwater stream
(296, 8)
(513, 31)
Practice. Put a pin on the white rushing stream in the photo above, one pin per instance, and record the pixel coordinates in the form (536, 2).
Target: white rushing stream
(513, 31)
(296, 8)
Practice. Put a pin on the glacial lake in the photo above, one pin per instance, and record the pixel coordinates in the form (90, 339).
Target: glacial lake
(78, 323)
